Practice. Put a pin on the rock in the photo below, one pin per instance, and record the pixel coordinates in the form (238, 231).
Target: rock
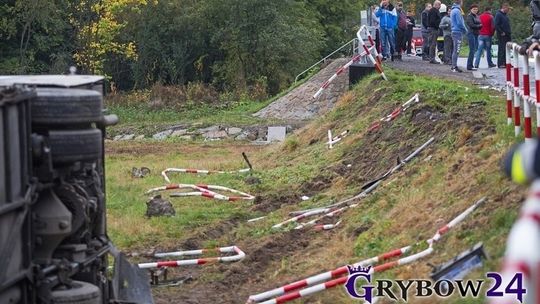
(252, 135)
(128, 137)
(242, 136)
(157, 206)
(177, 133)
(186, 137)
(215, 134)
(210, 129)
(233, 130)
(162, 135)
(252, 180)
(118, 137)
(139, 137)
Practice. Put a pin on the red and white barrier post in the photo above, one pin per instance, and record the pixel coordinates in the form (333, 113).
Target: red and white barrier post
(204, 191)
(526, 95)
(536, 56)
(239, 255)
(522, 251)
(517, 102)
(509, 84)
(198, 171)
(369, 55)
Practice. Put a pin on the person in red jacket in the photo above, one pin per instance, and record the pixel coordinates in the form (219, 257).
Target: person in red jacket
(485, 37)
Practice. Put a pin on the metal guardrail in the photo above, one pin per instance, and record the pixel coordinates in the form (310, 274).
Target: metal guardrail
(354, 46)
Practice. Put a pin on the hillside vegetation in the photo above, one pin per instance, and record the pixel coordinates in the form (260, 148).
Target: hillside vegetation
(461, 166)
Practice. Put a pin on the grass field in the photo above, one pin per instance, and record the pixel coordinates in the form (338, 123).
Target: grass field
(460, 167)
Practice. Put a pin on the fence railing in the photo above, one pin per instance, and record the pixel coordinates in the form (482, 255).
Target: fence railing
(520, 94)
(352, 44)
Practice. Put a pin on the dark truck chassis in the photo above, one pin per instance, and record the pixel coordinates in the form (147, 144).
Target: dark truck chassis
(54, 246)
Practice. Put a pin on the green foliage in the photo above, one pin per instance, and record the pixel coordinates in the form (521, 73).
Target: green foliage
(35, 36)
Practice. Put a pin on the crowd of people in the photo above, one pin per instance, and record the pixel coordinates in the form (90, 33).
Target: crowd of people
(443, 30)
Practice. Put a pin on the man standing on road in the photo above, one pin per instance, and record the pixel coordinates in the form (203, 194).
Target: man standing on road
(434, 19)
(401, 30)
(425, 32)
(446, 27)
(458, 30)
(535, 10)
(485, 38)
(409, 33)
(388, 19)
(474, 25)
(504, 33)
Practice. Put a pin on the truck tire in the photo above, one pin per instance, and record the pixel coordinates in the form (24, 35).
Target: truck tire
(75, 145)
(80, 293)
(53, 106)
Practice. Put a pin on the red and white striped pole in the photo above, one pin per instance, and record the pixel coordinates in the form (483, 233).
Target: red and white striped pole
(204, 191)
(526, 97)
(225, 259)
(509, 84)
(377, 124)
(363, 45)
(335, 139)
(536, 56)
(198, 171)
(373, 46)
(522, 250)
(337, 73)
(517, 115)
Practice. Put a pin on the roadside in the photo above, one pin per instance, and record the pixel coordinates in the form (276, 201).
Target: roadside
(492, 77)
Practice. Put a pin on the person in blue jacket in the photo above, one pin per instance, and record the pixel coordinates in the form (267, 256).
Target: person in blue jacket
(458, 30)
(387, 22)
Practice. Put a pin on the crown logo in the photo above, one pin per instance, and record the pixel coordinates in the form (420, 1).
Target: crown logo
(358, 269)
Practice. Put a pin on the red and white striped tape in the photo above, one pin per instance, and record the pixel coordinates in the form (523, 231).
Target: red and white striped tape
(290, 292)
(198, 171)
(523, 250)
(333, 140)
(203, 190)
(239, 255)
(376, 125)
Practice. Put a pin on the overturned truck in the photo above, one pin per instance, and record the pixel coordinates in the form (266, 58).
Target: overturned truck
(54, 246)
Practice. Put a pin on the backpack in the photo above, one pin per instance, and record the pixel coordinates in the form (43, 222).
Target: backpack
(402, 21)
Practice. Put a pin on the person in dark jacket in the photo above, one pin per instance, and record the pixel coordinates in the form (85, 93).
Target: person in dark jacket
(425, 32)
(411, 23)
(474, 25)
(535, 11)
(434, 19)
(504, 33)
(401, 29)
(446, 27)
